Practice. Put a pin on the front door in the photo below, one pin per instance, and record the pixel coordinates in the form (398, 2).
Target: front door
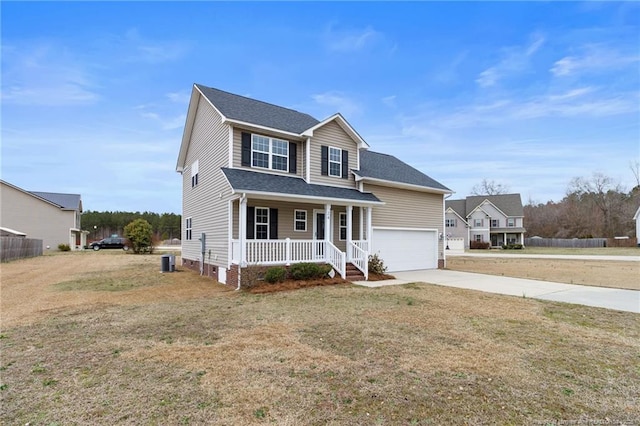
(318, 234)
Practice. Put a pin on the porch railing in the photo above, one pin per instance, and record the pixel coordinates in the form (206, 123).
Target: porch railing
(288, 251)
(359, 257)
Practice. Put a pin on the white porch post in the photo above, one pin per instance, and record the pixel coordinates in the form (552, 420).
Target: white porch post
(361, 233)
(349, 230)
(327, 223)
(242, 230)
(369, 227)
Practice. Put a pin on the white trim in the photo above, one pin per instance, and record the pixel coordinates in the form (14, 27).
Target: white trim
(315, 224)
(307, 165)
(230, 232)
(255, 222)
(344, 124)
(346, 226)
(339, 162)
(404, 229)
(393, 184)
(286, 197)
(230, 165)
(270, 154)
(257, 126)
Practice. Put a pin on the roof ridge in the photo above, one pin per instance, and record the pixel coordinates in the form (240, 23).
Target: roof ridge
(256, 100)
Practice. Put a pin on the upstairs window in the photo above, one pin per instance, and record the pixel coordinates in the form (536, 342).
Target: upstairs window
(335, 162)
(478, 222)
(511, 222)
(269, 153)
(495, 223)
(450, 223)
(194, 174)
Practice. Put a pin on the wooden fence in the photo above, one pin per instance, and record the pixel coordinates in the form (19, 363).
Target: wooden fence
(12, 248)
(566, 242)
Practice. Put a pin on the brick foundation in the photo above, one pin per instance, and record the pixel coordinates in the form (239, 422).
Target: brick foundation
(210, 271)
(232, 276)
(441, 264)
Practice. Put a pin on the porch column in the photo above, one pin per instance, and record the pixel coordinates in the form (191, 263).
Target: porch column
(242, 230)
(327, 223)
(361, 234)
(349, 230)
(504, 239)
(369, 227)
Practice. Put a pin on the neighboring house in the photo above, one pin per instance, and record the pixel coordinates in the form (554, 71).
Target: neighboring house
(267, 185)
(636, 217)
(497, 219)
(51, 217)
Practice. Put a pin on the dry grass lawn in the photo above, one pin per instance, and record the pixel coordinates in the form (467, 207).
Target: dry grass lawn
(139, 347)
(602, 273)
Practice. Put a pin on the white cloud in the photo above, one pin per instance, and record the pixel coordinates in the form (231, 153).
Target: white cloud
(594, 58)
(338, 102)
(389, 101)
(181, 97)
(353, 40)
(514, 60)
(45, 74)
(152, 51)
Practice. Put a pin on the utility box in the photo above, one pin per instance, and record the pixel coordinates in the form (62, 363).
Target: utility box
(165, 263)
(172, 263)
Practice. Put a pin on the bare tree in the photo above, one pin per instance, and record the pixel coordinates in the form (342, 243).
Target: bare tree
(635, 169)
(489, 187)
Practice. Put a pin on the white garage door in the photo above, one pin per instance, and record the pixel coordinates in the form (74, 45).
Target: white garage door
(406, 249)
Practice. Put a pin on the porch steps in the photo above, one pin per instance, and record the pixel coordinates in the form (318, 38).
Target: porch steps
(353, 273)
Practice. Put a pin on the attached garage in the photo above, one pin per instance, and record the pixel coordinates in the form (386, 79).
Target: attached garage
(403, 249)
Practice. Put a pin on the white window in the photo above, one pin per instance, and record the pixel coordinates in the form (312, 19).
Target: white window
(335, 162)
(478, 238)
(269, 153)
(194, 174)
(450, 223)
(300, 220)
(343, 226)
(478, 222)
(262, 223)
(187, 227)
(511, 222)
(495, 223)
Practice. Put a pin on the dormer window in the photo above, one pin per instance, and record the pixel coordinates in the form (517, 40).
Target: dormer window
(335, 162)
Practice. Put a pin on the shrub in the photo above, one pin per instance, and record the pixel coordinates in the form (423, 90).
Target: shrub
(479, 245)
(376, 264)
(308, 271)
(275, 275)
(512, 246)
(139, 232)
(64, 247)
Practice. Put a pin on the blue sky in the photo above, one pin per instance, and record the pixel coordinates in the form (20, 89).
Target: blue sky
(530, 95)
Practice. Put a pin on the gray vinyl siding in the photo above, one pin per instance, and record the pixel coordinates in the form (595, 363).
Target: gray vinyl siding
(458, 231)
(237, 152)
(207, 203)
(36, 218)
(331, 134)
(408, 209)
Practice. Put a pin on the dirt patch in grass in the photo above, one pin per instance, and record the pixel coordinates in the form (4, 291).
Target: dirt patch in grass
(193, 352)
(380, 277)
(287, 285)
(601, 273)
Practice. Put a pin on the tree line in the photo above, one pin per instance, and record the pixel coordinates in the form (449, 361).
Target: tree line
(594, 207)
(100, 225)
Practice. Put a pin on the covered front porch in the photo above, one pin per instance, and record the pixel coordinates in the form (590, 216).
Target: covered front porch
(500, 237)
(282, 231)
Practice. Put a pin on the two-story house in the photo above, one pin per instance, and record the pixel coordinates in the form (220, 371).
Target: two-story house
(497, 219)
(51, 217)
(267, 185)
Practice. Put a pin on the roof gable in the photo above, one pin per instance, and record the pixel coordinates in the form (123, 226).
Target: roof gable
(384, 167)
(509, 204)
(65, 201)
(242, 109)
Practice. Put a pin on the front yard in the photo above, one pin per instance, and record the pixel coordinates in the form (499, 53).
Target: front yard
(104, 338)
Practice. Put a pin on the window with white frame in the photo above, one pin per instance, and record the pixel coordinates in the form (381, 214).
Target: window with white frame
(335, 162)
(262, 223)
(343, 226)
(194, 174)
(495, 223)
(269, 153)
(478, 238)
(478, 222)
(187, 227)
(300, 220)
(511, 222)
(450, 223)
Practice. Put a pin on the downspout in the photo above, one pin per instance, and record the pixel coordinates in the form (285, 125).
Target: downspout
(444, 229)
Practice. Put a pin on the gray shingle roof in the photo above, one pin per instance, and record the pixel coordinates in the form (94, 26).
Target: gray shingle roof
(66, 201)
(252, 111)
(509, 204)
(387, 167)
(246, 180)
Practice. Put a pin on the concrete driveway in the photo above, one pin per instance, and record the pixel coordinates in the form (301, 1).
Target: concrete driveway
(610, 298)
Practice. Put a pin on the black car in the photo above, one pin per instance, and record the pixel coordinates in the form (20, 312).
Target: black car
(110, 243)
